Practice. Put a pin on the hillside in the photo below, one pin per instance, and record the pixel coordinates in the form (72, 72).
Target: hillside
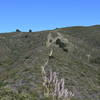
(76, 57)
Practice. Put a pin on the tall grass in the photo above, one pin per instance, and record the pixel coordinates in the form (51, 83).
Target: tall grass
(54, 87)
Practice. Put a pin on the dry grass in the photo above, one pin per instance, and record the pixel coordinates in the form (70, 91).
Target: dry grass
(53, 86)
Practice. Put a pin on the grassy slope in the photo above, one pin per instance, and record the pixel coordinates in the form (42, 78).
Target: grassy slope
(22, 55)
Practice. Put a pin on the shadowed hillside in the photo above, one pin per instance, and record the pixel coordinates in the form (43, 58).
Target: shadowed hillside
(76, 57)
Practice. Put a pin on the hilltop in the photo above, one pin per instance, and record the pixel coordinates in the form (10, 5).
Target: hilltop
(76, 57)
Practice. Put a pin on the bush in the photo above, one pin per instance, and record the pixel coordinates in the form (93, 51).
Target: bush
(60, 43)
(17, 30)
(30, 30)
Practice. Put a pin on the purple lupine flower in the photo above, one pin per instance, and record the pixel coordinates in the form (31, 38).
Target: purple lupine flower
(54, 77)
(71, 94)
(66, 93)
(62, 84)
(50, 77)
(55, 84)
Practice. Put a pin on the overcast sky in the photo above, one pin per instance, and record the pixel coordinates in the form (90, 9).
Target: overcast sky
(47, 14)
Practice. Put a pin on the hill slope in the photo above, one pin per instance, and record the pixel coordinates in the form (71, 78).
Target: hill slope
(76, 57)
